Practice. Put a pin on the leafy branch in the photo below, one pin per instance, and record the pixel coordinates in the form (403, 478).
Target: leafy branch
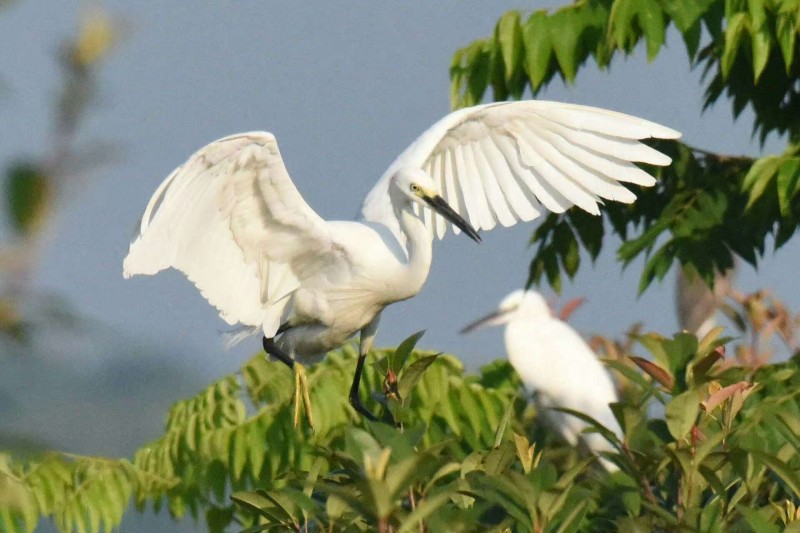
(748, 52)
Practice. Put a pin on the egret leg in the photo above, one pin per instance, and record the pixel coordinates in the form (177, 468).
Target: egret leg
(300, 380)
(272, 349)
(367, 339)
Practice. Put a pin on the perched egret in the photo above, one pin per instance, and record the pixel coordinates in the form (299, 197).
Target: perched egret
(697, 304)
(557, 367)
(233, 222)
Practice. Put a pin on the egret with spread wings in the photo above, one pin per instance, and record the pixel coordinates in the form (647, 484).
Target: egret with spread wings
(233, 222)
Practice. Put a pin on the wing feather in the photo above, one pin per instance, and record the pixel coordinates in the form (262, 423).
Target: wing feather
(494, 195)
(501, 162)
(233, 222)
(542, 157)
(438, 175)
(514, 195)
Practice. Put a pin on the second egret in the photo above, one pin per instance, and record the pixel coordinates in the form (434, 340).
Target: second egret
(231, 219)
(557, 367)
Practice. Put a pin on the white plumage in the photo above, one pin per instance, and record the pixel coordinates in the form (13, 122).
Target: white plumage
(502, 162)
(231, 219)
(557, 367)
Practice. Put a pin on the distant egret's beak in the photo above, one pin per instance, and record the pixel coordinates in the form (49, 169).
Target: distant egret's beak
(492, 319)
(438, 204)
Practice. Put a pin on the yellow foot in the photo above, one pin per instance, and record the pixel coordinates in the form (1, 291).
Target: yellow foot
(301, 395)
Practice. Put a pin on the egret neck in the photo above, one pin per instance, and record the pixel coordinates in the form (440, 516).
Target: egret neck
(418, 246)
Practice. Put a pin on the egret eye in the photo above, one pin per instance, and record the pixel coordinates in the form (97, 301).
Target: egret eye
(414, 187)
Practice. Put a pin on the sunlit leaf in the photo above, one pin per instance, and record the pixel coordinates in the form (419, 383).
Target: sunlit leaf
(411, 375)
(652, 22)
(788, 178)
(538, 49)
(509, 35)
(681, 413)
(565, 29)
(736, 27)
(400, 356)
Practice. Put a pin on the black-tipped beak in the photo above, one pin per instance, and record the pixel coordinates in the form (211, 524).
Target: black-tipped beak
(438, 204)
(483, 321)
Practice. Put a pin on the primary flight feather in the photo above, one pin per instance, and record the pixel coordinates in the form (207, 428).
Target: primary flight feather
(233, 222)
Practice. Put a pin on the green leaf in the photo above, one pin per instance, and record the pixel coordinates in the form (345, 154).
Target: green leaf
(652, 22)
(398, 359)
(413, 374)
(501, 429)
(509, 35)
(655, 345)
(497, 460)
(680, 350)
(607, 434)
(359, 444)
(568, 250)
(756, 519)
(589, 229)
(789, 476)
(424, 508)
(572, 522)
(256, 447)
(737, 24)
(218, 518)
(479, 68)
(565, 28)
(759, 176)
(456, 77)
(630, 249)
(786, 36)
(788, 177)
(239, 452)
(681, 413)
(686, 15)
(28, 192)
(525, 451)
(691, 39)
(550, 262)
(253, 501)
(313, 474)
(621, 23)
(656, 267)
(761, 43)
(538, 48)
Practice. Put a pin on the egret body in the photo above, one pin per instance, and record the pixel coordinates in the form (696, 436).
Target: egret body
(557, 367)
(231, 219)
(697, 304)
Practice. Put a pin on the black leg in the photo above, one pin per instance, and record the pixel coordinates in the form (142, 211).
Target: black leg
(355, 401)
(277, 353)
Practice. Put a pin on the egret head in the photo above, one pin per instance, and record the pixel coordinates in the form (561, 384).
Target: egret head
(519, 304)
(415, 185)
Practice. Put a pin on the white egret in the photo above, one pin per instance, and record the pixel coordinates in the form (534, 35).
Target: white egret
(557, 367)
(233, 222)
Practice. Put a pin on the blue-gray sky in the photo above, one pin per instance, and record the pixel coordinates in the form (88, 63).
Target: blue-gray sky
(345, 86)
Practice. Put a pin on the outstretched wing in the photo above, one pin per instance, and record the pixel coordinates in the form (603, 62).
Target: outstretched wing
(231, 219)
(504, 162)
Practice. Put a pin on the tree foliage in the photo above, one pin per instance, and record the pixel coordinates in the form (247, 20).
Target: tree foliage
(707, 207)
(718, 454)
